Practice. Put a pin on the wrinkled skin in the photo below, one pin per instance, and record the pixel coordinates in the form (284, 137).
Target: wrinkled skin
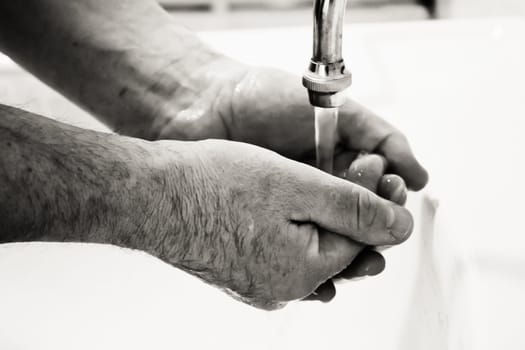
(269, 108)
(268, 229)
(367, 171)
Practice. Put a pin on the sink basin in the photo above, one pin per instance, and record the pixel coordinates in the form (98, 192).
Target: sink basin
(88, 296)
(454, 87)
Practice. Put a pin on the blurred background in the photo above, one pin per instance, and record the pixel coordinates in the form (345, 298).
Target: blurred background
(233, 14)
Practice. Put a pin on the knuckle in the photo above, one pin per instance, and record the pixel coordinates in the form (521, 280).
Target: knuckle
(365, 210)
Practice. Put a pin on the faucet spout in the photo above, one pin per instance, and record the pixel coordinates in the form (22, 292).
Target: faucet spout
(328, 29)
(327, 76)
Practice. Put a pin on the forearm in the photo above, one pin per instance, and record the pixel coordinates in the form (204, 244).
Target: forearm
(61, 183)
(121, 60)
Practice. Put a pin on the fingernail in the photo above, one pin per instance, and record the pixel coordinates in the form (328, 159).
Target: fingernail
(400, 195)
(402, 223)
(373, 270)
(365, 270)
(391, 217)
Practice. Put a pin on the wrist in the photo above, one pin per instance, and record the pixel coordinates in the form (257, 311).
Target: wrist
(158, 205)
(163, 72)
(116, 192)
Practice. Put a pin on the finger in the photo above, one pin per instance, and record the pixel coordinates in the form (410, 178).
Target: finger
(367, 171)
(393, 188)
(341, 161)
(367, 263)
(324, 293)
(333, 253)
(362, 129)
(344, 208)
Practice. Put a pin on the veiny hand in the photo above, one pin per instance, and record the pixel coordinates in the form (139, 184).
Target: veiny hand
(269, 108)
(265, 228)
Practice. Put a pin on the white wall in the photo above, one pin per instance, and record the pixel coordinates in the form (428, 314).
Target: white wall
(480, 8)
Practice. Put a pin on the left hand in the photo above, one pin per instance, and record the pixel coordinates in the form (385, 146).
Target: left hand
(269, 108)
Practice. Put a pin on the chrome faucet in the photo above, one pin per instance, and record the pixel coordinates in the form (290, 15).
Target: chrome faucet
(327, 77)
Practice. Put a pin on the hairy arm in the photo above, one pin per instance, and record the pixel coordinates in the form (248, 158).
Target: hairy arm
(266, 228)
(61, 183)
(123, 60)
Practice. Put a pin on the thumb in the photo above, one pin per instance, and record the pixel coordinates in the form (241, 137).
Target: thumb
(336, 252)
(350, 210)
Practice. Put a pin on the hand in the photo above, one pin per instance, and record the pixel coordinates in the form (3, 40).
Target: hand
(269, 108)
(266, 228)
(367, 171)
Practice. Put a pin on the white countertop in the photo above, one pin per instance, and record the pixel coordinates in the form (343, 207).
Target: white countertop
(457, 90)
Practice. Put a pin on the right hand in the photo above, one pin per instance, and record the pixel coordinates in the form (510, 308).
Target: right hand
(265, 228)
(368, 171)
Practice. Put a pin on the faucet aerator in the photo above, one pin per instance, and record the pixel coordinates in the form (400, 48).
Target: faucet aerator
(327, 77)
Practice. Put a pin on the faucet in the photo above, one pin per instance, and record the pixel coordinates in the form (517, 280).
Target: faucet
(327, 77)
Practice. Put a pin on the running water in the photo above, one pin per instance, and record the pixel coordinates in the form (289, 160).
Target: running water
(325, 132)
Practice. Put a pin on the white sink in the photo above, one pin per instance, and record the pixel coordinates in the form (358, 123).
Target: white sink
(456, 89)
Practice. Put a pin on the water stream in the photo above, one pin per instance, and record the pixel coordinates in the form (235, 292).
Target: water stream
(325, 132)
